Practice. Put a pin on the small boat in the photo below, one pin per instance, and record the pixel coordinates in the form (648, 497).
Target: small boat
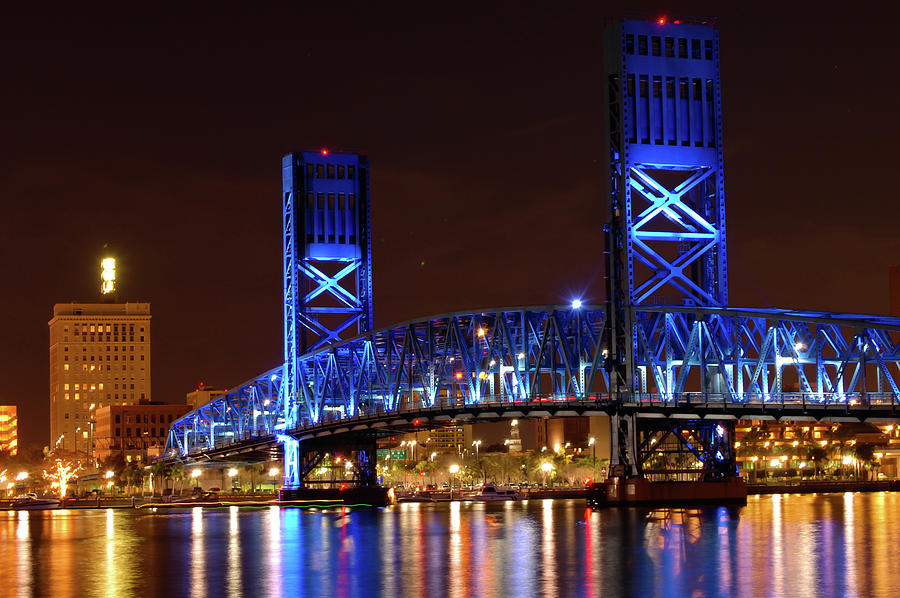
(415, 498)
(490, 492)
(31, 502)
(203, 499)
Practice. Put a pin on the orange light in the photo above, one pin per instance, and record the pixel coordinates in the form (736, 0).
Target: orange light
(416, 422)
(324, 152)
(661, 20)
(459, 375)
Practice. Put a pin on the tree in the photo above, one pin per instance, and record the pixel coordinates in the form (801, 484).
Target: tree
(865, 457)
(159, 470)
(176, 474)
(255, 470)
(817, 455)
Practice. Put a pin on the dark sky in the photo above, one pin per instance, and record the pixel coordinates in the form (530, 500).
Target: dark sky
(161, 134)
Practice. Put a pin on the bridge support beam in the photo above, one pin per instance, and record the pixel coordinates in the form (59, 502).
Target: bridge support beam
(623, 445)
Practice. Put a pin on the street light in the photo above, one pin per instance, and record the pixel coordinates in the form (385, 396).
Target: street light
(546, 467)
(592, 442)
(453, 470)
(476, 444)
(91, 423)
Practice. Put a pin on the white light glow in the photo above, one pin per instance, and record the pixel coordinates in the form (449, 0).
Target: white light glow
(107, 275)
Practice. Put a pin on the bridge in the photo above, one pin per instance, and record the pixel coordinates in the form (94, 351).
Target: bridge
(664, 357)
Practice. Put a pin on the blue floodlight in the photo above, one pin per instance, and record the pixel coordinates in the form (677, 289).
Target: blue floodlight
(576, 304)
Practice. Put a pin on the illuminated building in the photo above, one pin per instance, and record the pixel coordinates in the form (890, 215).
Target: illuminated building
(9, 423)
(134, 431)
(203, 395)
(100, 356)
(450, 440)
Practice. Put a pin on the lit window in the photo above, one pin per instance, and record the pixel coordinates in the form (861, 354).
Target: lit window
(66, 367)
(66, 387)
(77, 396)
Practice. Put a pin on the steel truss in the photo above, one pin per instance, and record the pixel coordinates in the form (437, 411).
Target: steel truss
(686, 450)
(715, 358)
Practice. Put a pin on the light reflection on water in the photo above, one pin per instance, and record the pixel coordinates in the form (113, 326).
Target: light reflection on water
(792, 545)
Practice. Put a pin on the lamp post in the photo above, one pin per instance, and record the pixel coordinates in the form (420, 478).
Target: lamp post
(91, 423)
(592, 442)
(195, 475)
(476, 444)
(453, 469)
(273, 473)
(547, 467)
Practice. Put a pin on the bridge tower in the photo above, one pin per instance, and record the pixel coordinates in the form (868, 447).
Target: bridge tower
(665, 238)
(327, 267)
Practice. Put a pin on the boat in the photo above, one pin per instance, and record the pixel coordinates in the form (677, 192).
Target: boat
(415, 498)
(490, 492)
(31, 502)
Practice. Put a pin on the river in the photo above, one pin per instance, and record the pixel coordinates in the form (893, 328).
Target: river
(790, 545)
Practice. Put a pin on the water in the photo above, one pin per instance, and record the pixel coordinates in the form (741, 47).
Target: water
(799, 545)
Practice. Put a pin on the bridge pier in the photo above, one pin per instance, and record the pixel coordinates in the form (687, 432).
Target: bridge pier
(663, 460)
(354, 457)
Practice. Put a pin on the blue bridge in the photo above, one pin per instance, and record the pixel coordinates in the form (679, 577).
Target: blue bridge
(665, 353)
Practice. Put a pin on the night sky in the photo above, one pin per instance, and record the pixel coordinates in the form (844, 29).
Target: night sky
(161, 134)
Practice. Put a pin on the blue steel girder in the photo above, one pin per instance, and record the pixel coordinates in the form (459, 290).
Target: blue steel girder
(714, 356)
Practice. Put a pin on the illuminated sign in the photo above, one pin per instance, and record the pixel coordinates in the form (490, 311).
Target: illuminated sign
(107, 275)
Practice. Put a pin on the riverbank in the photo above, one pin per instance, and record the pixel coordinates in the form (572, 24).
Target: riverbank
(822, 487)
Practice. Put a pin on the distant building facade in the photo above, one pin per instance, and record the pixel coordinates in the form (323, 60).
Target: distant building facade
(203, 395)
(449, 440)
(134, 431)
(100, 356)
(9, 429)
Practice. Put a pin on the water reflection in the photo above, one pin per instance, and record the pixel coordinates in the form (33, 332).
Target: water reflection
(828, 545)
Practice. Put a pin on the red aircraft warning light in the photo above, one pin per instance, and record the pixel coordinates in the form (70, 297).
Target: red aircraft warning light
(324, 152)
(661, 20)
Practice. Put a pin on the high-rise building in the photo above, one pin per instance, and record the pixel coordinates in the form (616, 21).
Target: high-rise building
(99, 356)
(9, 424)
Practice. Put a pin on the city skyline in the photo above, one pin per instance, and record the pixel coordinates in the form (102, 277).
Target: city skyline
(217, 305)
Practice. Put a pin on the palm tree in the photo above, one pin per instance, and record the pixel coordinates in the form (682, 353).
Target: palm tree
(255, 470)
(176, 473)
(160, 470)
